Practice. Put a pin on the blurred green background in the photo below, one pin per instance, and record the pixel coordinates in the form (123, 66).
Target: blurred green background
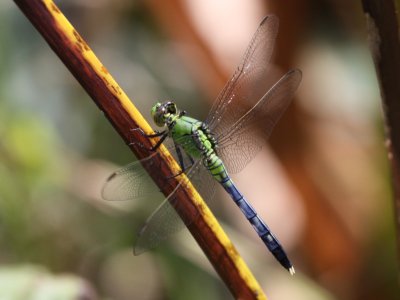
(323, 184)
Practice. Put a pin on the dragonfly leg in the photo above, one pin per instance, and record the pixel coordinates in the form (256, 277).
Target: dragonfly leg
(163, 135)
(153, 135)
(180, 172)
(181, 162)
(156, 146)
(180, 156)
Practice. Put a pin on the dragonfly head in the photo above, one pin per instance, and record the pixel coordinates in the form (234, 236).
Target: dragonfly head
(162, 112)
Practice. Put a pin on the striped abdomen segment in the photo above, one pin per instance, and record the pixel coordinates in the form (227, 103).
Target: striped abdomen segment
(218, 171)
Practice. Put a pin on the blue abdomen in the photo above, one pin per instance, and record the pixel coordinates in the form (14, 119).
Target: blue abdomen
(217, 169)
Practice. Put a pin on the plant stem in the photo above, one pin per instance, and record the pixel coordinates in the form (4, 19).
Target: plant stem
(385, 47)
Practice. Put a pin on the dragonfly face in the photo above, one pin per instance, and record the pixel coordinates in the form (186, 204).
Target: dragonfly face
(164, 113)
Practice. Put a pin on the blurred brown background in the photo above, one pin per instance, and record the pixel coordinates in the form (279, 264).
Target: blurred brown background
(322, 184)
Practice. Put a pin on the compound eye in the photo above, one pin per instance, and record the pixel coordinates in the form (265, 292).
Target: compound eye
(157, 112)
(159, 118)
(171, 108)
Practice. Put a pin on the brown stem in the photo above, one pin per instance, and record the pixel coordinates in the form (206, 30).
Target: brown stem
(111, 99)
(385, 47)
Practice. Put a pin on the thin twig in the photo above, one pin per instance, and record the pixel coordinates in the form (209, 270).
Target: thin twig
(385, 47)
(116, 106)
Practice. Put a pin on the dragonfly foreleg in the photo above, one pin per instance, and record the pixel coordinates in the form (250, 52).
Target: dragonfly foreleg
(163, 134)
(153, 135)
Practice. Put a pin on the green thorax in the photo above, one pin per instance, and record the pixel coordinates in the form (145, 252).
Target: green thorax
(188, 133)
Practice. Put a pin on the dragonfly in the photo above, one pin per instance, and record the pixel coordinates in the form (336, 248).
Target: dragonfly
(238, 124)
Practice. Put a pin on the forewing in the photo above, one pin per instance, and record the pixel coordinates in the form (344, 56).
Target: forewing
(252, 79)
(245, 138)
(165, 221)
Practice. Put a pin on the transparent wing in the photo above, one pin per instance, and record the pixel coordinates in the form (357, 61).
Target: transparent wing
(240, 144)
(161, 224)
(253, 77)
(165, 221)
(131, 182)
